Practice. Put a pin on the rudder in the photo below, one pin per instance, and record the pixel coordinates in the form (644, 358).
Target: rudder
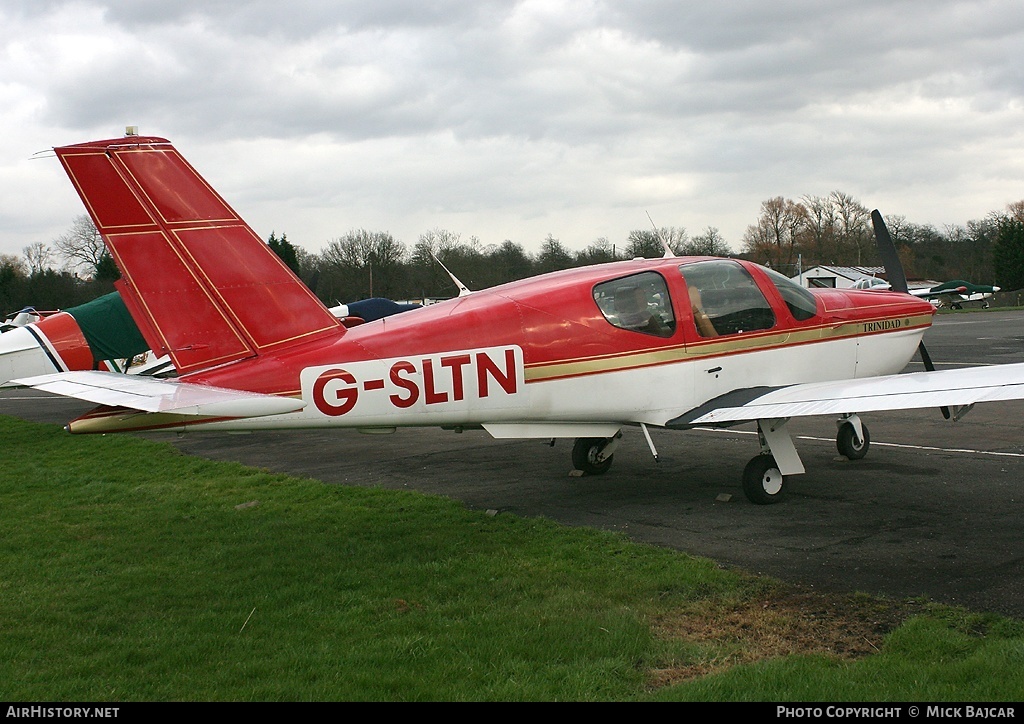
(201, 286)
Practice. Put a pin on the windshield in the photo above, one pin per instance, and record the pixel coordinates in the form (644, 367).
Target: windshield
(725, 299)
(802, 304)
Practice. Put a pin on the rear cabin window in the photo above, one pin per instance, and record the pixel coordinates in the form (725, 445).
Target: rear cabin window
(725, 299)
(639, 303)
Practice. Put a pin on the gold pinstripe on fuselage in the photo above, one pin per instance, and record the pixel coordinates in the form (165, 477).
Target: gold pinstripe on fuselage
(720, 347)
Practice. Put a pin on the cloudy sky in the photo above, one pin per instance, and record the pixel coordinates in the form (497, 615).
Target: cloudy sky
(515, 120)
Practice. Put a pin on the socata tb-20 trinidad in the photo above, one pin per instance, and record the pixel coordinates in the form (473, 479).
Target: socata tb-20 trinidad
(676, 342)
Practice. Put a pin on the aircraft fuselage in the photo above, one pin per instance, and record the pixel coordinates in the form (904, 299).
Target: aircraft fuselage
(553, 356)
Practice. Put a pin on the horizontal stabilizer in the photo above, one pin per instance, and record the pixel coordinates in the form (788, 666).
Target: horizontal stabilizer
(149, 394)
(949, 388)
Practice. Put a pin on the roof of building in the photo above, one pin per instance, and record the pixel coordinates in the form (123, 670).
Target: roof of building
(849, 272)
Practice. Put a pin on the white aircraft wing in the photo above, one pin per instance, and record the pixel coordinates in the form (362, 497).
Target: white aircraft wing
(948, 296)
(150, 394)
(944, 388)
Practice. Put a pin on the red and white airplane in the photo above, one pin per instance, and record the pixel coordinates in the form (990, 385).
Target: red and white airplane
(677, 342)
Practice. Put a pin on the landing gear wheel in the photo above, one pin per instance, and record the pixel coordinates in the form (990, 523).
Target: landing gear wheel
(846, 442)
(762, 481)
(584, 455)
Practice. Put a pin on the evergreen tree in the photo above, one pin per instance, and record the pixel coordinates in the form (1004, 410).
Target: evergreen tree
(285, 250)
(106, 270)
(1008, 254)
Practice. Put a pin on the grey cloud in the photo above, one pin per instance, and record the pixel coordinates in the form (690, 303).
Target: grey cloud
(589, 96)
(298, 18)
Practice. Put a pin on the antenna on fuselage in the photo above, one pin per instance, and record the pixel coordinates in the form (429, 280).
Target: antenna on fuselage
(669, 254)
(463, 289)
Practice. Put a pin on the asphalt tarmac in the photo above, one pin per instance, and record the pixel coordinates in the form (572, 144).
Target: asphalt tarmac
(935, 510)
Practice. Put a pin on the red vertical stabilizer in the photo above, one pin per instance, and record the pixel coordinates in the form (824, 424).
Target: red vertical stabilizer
(202, 287)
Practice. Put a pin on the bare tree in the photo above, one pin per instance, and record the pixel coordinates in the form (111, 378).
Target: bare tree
(1016, 210)
(708, 243)
(11, 266)
(598, 252)
(774, 238)
(898, 229)
(820, 243)
(435, 243)
(467, 259)
(648, 242)
(38, 256)
(854, 232)
(362, 264)
(360, 248)
(81, 246)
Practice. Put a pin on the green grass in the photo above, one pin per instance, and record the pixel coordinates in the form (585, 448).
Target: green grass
(930, 658)
(129, 572)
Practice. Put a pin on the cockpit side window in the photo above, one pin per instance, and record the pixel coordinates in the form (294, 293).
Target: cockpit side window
(802, 304)
(725, 299)
(639, 303)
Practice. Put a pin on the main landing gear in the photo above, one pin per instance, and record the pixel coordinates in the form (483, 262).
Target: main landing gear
(764, 477)
(762, 480)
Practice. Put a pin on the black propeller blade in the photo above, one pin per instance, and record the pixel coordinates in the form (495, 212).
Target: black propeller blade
(887, 250)
(897, 279)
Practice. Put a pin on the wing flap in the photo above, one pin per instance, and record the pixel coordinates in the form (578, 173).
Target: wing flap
(544, 430)
(949, 388)
(153, 395)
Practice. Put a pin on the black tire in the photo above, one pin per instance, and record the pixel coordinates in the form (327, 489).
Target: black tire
(584, 455)
(847, 444)
(762, 481)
